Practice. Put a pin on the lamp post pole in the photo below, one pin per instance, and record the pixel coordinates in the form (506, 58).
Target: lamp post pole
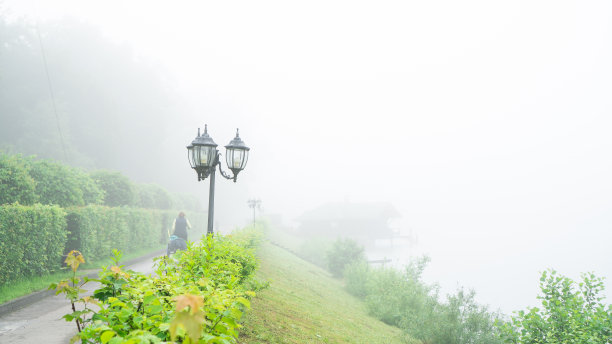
(204, 158)
(253, 216)
(211, 203)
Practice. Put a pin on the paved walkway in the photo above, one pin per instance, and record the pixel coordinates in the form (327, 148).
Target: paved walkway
(42, 321)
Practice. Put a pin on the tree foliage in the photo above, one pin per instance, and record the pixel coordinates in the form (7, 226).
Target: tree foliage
(118, 189)
(571, 313)
(64, 185)
(153, 196)
(101, 92)
(16, 184)
(342, 253)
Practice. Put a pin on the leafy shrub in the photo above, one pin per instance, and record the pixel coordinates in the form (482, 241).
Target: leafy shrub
(152, 196)
(92, 193)
(64, 185)
(16, 184)
(342, 253)
(356, 277)
(458, 320)
(118, 189)
(198, 296)
(401, 299)
(571, 313)
(32, 240)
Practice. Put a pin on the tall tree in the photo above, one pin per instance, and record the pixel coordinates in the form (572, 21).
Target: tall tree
(102, 108)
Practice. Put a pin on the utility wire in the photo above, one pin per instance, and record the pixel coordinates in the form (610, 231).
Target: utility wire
(57, 121)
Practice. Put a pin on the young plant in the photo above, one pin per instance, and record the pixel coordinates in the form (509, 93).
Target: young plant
(113, 279)
(72, 289)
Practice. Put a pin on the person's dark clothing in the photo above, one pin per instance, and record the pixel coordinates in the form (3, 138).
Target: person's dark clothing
(180, 228)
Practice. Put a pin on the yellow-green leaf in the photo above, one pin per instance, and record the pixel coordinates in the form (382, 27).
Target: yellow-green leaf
(106, 336)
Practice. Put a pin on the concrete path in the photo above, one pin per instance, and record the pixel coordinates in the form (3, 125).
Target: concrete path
(42, 321)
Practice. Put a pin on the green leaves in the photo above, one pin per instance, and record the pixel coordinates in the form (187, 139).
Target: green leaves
(343, 253)
(106, 336)
(401, 299)
(20, 255)
(195, 297)
(118, 189)
(64, 185)
(16, 184)
(190, 322)
(571, 313)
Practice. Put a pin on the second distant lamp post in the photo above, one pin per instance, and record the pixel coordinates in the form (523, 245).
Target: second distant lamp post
(204, 158)
(254, 204)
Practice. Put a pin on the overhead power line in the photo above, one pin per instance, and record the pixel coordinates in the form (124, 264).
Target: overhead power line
(57, 121)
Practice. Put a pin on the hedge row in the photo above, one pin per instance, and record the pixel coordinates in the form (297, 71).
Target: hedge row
(96, 230)
(28, 181)
(32, 240)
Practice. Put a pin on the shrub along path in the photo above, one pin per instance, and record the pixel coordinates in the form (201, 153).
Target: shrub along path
(41, 322)
(304, 304)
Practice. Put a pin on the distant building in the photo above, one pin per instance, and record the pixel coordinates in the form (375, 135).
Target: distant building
(363, 222)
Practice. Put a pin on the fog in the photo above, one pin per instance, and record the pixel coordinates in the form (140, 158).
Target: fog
(485, 124)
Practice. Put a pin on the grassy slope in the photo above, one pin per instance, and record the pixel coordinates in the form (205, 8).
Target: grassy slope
(304, 304)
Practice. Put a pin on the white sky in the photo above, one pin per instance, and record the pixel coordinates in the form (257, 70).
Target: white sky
(486, 123)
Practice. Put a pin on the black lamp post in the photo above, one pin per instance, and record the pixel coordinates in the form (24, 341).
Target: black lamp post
(204, 158)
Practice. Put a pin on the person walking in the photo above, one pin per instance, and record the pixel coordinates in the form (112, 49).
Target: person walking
(180, 226)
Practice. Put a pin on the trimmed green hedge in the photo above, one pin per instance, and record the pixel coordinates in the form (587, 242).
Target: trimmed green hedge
(96, 230)
(32, 240)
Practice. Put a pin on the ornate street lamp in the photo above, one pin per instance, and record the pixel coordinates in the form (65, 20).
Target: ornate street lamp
(254, 204)
(236, 155)
(204, 158)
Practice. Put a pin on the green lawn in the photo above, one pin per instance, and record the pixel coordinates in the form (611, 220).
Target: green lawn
(304, 304)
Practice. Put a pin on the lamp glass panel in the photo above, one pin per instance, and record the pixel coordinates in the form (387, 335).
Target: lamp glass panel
(190, 156)
(196, 156)
(236, 158)
(203, 158)
(206, 156)
(245, 157)
(229, 157)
